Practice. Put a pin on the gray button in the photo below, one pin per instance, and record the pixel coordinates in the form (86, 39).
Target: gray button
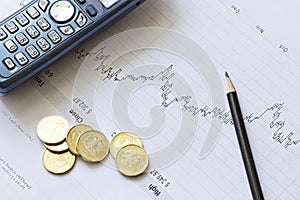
(11, 27)
(91, 10)
(108, 3)
(81, 20)
(22, 39)
(9, 63)
(11, 46)
(21, 58)
(54, 37)
(33, 12)
(43, 44)
(43, 4)
(62, 11)
(32, 31)
(43, 24)
(22, 20)
(66, 30)
(3, 35)
(32, 51)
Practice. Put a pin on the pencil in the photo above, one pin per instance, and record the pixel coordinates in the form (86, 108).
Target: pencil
(243, 141)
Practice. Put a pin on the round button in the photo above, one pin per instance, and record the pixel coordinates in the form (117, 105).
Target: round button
(62, 11)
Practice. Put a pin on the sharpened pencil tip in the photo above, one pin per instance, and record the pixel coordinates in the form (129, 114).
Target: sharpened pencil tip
(226, 74)
(230, 87)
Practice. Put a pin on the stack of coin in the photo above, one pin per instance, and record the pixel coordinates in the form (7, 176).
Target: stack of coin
(52, 130)
(130, 156)
(63, 143)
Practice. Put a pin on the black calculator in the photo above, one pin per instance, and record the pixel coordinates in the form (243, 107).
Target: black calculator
(44, 30)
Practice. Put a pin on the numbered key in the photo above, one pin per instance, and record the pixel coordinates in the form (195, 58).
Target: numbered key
(43, 24)
(11, 27)
(54, 37)
(43, 44)
(32, 31)
(32, 51)
(22, 20)
(22, 39)
(33, 12)
(11, 46)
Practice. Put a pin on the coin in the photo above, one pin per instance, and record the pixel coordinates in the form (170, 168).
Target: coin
(93, 146)
(59, 148)
(73, 136)
(58, 163)
(132, 160)
(52, 129)
(123, 139)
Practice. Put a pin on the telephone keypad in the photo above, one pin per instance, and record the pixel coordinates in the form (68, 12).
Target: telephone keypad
(45, 28)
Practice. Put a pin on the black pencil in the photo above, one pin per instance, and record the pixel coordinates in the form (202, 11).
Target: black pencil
(242, 137)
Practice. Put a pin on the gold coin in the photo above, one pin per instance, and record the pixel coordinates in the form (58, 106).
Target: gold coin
(123, 139)
(132, 160)
(58, 163)
(93, 146)
(73, 136)
(59, 148)
(52, 129)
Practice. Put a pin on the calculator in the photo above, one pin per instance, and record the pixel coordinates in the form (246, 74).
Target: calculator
(44, 30)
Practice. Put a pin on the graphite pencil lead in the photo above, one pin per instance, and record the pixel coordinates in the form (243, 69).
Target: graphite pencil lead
(226, 74)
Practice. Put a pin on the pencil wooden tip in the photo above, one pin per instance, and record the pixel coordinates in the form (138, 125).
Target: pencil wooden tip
(230, 87)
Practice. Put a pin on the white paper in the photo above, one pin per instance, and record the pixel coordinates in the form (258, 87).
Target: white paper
(166, 84)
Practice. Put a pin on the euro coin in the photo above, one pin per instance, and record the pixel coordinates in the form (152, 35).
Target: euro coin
(58, 163)
(93, 146)
(52, 129)
(73, 136)
(132, 160)
(59, 148)
(123, 139)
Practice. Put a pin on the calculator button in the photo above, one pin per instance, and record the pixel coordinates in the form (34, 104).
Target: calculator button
(22, 39)
(43, 4)
(22, 20)
(43, 24)
(9, 63)
(32, 51)
(11, 27)
(3, 35)
(62, 11)
(33, 12)
(21, 58)
(81, 20)
(32, 31)
(11, 46)
(43, 44)
(66, 30)
(108, 3)
(91, 10)
(54, 37)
